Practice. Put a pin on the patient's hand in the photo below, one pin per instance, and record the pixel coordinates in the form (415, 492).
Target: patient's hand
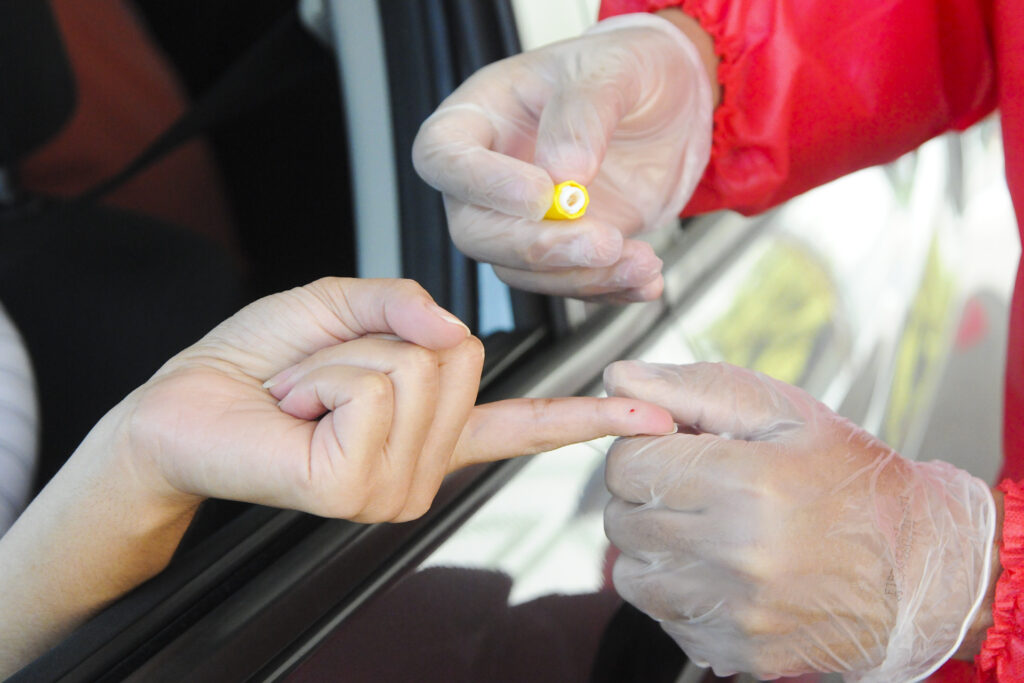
(345, 398)
(370, 405)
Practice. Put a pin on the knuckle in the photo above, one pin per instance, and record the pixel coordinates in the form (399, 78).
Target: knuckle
(391, 508)
(461, 230)
(421, 497)
(341, 498)
(616, 523)
(420, 358)
(617, 464)
(413, 510)
(325, 283)
(374, 388)
(607, 249)
(416, 360)
(404, 287)
(389, 497)
(346, 506)
(649, 597)
(354, 502)
(319, 292)
(540, 249)
(756, 623)
(422, 365)
(760, 568)
(473, 345)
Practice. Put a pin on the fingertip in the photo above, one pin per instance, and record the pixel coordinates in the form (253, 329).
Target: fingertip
(280, 384)
(301, 404)
(649, 292)
(638, 267)
(640, 418)
(538, 188)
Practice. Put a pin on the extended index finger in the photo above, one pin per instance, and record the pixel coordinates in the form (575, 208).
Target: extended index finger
(524, 426)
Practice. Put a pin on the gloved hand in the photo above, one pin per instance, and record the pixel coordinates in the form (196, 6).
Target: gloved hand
(778, 538)
(625, 109)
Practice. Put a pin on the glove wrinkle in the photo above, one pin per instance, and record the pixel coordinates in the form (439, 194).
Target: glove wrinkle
(786, 540)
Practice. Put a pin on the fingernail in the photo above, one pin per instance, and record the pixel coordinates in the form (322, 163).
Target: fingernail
(279, 378)
(449, 318)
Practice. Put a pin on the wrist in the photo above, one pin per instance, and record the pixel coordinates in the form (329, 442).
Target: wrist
(704, 43)
(112, 470)
(98, 529)
(137, 452)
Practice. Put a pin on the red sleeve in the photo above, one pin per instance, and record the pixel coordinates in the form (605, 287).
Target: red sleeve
(814, 90)
(1002, 654)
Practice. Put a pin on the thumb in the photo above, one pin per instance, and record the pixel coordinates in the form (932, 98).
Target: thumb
(399, 307)
(579, 120)
(717, 398)
(524, 426)
(282, 329)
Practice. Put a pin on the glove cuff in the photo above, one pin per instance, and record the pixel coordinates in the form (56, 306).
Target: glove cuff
(941, 558)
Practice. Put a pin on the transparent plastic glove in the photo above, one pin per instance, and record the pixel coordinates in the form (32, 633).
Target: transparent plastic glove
(778, 538)
(625, 109)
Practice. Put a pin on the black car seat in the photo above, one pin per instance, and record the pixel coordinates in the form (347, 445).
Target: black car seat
(101, 296)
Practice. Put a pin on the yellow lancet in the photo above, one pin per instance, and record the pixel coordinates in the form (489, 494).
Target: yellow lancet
(570, 201)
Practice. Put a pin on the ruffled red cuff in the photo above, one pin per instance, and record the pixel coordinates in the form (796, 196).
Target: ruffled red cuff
(1002, 654)
(810, 91)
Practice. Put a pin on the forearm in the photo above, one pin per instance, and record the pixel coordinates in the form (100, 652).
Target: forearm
(96, 531)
